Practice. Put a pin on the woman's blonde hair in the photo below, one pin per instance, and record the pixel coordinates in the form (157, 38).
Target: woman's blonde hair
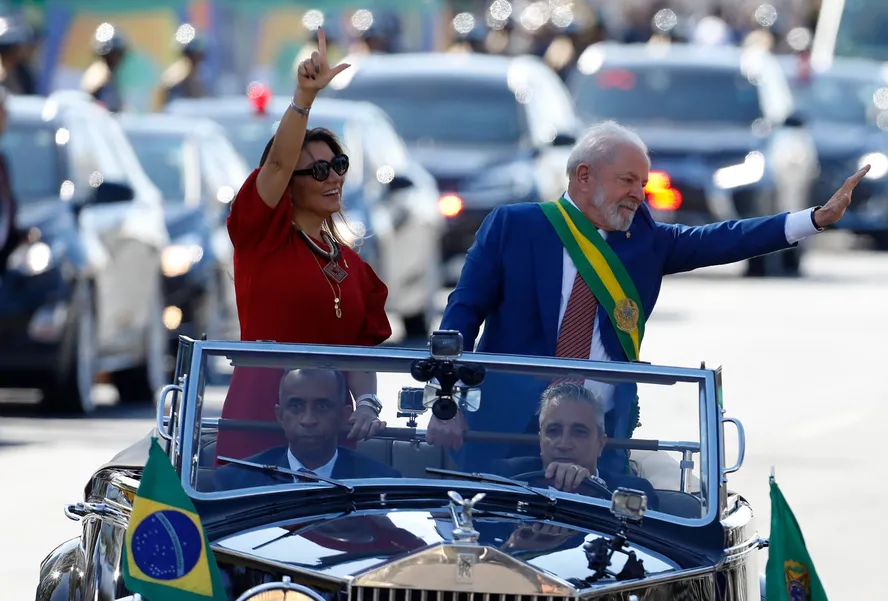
(322, 134)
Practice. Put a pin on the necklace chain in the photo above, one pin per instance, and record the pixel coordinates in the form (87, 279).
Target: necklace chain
(336, 296)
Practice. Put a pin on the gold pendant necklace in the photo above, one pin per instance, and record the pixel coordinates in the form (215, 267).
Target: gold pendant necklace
(337, 308)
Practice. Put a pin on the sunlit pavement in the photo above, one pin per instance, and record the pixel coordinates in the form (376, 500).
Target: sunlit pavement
(804, 365)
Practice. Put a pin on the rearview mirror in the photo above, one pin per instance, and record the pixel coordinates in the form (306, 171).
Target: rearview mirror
(563, 139)
(795, 119)
(401, 182)
(111, 192)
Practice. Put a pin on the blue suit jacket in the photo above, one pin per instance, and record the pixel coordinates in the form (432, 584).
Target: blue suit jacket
(521, 465)
(511, 282)
(349, 464)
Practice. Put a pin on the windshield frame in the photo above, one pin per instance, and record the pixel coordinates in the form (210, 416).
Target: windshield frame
(184, 433)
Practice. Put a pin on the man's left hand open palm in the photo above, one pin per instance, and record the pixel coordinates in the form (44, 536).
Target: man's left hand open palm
(833, 210)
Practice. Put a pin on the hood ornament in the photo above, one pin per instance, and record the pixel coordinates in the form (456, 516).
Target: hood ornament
(461, 512)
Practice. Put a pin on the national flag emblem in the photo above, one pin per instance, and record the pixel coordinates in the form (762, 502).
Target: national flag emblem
(166, 553)
(790, 573)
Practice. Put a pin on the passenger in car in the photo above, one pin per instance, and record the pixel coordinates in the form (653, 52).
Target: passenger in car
(571, 441)
(313, 408)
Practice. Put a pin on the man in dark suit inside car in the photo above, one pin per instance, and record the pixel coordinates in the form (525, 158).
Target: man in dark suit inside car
(571, 440)
(312, 409)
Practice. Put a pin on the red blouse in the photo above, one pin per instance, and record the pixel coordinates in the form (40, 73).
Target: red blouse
(283, 295)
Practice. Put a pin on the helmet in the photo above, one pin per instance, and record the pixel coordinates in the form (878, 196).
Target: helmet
(14, 32)
(188, 41)
(107, 40)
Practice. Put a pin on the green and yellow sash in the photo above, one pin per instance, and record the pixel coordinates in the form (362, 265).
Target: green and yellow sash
(602, 271)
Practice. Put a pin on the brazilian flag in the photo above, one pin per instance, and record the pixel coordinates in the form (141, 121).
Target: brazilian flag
(166, 555)
(790, 574)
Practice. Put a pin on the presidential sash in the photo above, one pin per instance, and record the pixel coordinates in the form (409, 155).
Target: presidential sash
(602, 271)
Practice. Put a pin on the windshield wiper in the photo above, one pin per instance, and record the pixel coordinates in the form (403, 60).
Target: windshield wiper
(311, 477)
(493, 479)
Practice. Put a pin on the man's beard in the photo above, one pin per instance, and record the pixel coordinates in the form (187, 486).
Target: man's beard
(611, 212)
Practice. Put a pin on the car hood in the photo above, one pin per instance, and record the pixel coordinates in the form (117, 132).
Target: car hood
(456, 163)
(46, 214)
(344, 547)
(182, 219)
(681, 139)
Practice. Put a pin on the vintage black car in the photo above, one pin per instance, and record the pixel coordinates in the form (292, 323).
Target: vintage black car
(397, 519)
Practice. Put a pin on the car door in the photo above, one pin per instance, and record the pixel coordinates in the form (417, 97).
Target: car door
(133, 233)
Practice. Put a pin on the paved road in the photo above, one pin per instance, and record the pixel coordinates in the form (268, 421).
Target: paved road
(804, 369)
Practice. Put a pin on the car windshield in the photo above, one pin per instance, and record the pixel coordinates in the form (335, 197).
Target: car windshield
(452, 111)
(289, 409)
(250, 133)
(837, 99)
(862, 29)
(680, 95)
(162, 155)
(33, 158)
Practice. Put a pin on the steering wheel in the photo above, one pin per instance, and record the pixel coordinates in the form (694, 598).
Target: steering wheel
(588, 487)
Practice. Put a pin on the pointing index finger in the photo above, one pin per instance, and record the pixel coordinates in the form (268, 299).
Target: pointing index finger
(852, 181)
(322, 43)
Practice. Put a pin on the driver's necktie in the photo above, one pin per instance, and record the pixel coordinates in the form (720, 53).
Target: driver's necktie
(575, 337)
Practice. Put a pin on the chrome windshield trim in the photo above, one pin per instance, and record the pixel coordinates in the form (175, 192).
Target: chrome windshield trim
(394, 360)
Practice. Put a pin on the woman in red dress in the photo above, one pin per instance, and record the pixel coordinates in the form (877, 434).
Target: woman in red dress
(295, 279)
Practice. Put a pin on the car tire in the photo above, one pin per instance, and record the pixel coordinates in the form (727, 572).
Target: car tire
(71, 388)
(140, 384)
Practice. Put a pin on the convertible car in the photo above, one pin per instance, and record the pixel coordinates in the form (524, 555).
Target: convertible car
(293, 508)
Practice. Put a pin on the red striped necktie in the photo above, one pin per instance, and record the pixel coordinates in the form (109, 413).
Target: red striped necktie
(575, 337)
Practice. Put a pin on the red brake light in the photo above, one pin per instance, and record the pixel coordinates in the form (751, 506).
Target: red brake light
(660, 193)
(450, 205)
(622, 79)
(259, 94)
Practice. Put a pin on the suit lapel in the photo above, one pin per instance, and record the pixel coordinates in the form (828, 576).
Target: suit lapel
(343, 466)
(548, 265)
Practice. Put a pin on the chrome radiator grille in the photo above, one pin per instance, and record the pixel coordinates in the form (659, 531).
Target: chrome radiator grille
(366, 593)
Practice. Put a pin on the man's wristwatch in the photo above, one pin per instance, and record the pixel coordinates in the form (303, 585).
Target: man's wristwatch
(369, 400)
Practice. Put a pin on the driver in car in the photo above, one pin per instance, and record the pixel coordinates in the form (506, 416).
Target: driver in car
(312, 409)
(571, 440)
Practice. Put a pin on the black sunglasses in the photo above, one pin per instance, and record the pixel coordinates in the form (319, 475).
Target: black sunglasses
(320, 170)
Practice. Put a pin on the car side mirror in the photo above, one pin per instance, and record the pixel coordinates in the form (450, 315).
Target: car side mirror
(400, 182)
(563, 139)
(795, 119)
(111, 192)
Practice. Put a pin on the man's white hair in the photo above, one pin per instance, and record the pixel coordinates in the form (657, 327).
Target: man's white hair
(599, 143)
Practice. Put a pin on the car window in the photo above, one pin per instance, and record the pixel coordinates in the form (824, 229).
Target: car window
(170, 160)
(455, 110)
(34, 159)
(670, 93)
(836, 99)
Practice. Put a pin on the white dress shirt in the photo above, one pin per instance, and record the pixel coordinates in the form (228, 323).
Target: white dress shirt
(798, 227)
(324, 471)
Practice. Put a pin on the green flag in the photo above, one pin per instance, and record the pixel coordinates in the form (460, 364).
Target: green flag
(166, 555)
(790, 575)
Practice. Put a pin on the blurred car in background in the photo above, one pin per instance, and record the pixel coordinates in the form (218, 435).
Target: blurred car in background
(845, 108)
(391, 201)
(198, 171)
(724, 136)
(83, 293)
(493, 130)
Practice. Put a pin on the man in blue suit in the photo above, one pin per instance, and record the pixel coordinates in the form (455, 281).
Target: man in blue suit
(313, 408)
(578, 278)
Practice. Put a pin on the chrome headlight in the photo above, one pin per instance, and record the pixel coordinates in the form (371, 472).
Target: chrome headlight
(878, 163)
(31, 258)
(280, 591)
(178, 258)
(750, 171)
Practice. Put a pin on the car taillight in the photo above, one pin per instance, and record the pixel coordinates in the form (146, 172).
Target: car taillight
(660, 193)
(450, 205)
(258, 94)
